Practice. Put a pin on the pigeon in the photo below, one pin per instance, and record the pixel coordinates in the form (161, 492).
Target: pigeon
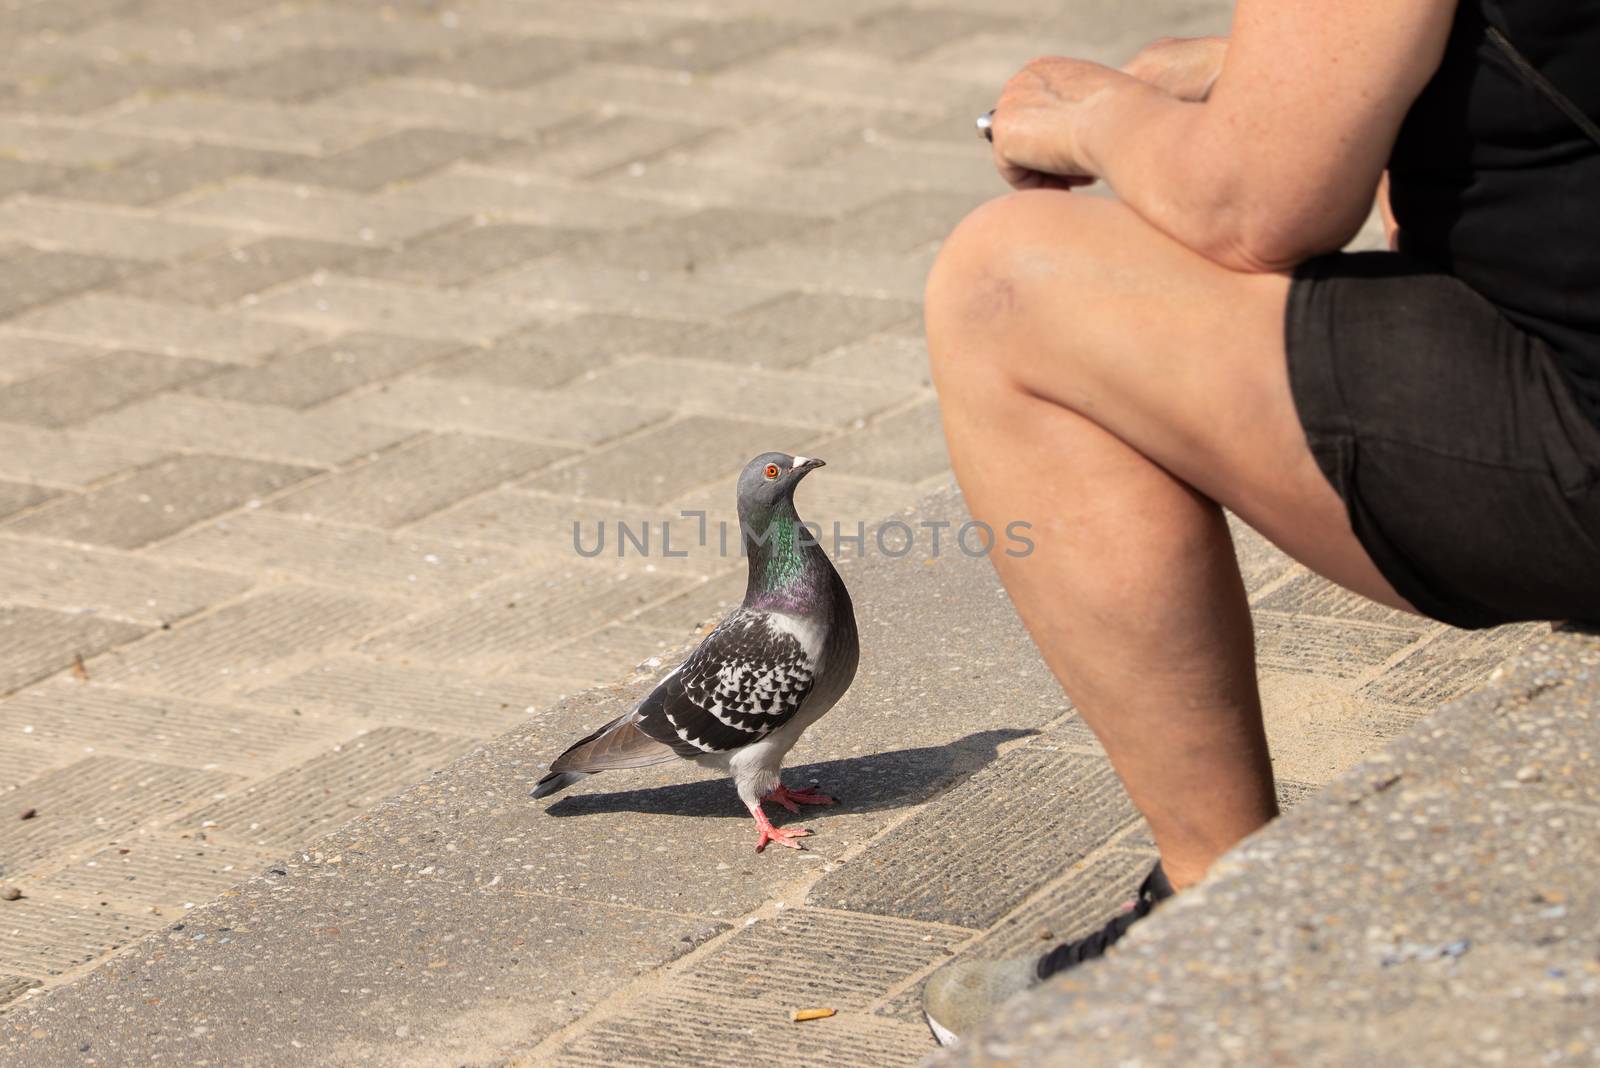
(768, 671)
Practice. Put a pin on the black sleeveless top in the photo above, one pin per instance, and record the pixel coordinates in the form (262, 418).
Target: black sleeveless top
(1492, 182)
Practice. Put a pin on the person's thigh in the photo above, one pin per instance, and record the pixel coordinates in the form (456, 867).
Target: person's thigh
(1081, 302)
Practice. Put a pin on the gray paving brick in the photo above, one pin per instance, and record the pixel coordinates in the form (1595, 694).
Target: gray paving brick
(621, 291)
(1307, 594)
(414, 697)
(339, 26)
(1340, 650)
(551, 354)
(931, 167)
(13, 987)
(346, 304)
(158, 500)
(152, 326)
(900, 223)
(59, 935)
(306, 73)
(517, 616)
(65, 458)
(585, 148)
(169, 730)
(508, 63)
(271, 126)
(22, 358)
(390, 158)
(528, 198)
(310, 376)
(886, 358)
(409, 483)
(71, 578)
(100, 231)
(684, 243)
(604, 657)
(903, 33)
(400, 565)
(895, 276)
(691, 451)
(794, 328)
(1448, 666)
(17, 496)
(242, 645)
(159, 872)
(238, 272)
(647, 92)
(235, 428)
(905, 447)
(30, 276)
(302, 803)
(1260, 562)
(457, 256)
(968, 860)
(483, 408)
(792, 136)
(91, 88)
(695, 181)
(53, 142)
(1078, 903)
(714, 387)
(39, 641)
(22, 176)
(83, 389)
(496, 114)
(306, 211)
(535, 523)
(712, 46)
(160, 176)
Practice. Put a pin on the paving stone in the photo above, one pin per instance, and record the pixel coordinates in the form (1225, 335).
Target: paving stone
(905, 447)
(836, 78)
(270, 126)
(154, 326)
(400, 565)
(22, 358)
(1307, 594)
(508, 63)
(610, 654)
(665, 461)
(259, 430)
(91, 88)
(31, 276)
(65, 458)
(885, 358)
(98, 231)
(717, 387)
(275, 813)
(77, 146)
(238, 272)
(455, 257)
(479, 407)
(518, 615)
(1342, 650)
(391, 158)
(598, 23)
(409, 483)
(586, 148)
(16, 496)
(1086, 895)
(166, 730)
(970, 859)
(13, 987)
(794, 328)
(427, 698)
(71, 578)
(916, 166)
(792, 136)
(697, 182)
(621, 291)
(527, 198)
(241, 644)
(85, 388)
(1450, 665)
(899, 223)
(306, 211)
(711, 46)
(353, 304)
(310, 376)
(95, 800)
(445, 107)
(896, 276)
(904, 33)
(23, 176)
(159, 499)
(306, 73)
(51, 937)
(159, 176)
(518, 360)
(683, 243)
(656, 93)
(169, 872)
(536, 523)
(338, 26)
(40, 642)
(700, 606)
(1261, 563)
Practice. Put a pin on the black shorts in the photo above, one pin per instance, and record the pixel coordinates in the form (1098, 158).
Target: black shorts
(1471, 475)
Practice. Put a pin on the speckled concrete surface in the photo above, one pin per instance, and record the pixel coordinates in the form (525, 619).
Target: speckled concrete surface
(1436, 905)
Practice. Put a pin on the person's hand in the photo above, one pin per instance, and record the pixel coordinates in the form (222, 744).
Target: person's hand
(1186, 67)
(1035, 145)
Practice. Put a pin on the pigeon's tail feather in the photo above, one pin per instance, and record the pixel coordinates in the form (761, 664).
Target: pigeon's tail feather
(557, 781)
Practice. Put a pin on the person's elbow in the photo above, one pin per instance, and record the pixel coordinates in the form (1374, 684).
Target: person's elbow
(1274, 234)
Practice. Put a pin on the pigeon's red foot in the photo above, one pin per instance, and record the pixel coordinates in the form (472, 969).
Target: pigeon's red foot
(793, 799)
(780, 835)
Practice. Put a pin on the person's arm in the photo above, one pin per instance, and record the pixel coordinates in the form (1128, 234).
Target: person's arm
(1278, 164)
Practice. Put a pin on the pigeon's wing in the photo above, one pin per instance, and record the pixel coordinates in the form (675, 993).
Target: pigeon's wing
(748, 678)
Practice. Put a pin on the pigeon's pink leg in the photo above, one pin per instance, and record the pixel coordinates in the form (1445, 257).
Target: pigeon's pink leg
(793, 799)
(769, 833)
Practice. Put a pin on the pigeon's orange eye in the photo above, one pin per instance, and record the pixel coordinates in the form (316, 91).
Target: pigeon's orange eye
(772, 472)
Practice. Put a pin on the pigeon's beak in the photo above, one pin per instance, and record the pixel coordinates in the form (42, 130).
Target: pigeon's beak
(802, 464)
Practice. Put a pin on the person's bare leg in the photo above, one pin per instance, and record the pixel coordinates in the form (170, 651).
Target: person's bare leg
(1071, 344)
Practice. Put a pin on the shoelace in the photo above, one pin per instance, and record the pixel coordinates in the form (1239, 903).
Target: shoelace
(1154, 890)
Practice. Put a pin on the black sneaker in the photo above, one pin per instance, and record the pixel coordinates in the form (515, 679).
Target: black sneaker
(963, 993)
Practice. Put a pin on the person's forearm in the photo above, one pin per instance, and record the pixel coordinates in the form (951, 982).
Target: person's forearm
(1199, 174)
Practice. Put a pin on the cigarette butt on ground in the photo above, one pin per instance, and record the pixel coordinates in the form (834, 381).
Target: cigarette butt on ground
(802, 1015)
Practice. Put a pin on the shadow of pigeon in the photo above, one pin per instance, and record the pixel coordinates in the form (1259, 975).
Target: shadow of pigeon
(862, 784)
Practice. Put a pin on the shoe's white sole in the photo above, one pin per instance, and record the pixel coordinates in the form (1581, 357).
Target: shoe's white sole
(941, 1034)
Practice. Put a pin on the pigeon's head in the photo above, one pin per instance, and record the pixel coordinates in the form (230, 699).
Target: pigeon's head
(770, 479)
